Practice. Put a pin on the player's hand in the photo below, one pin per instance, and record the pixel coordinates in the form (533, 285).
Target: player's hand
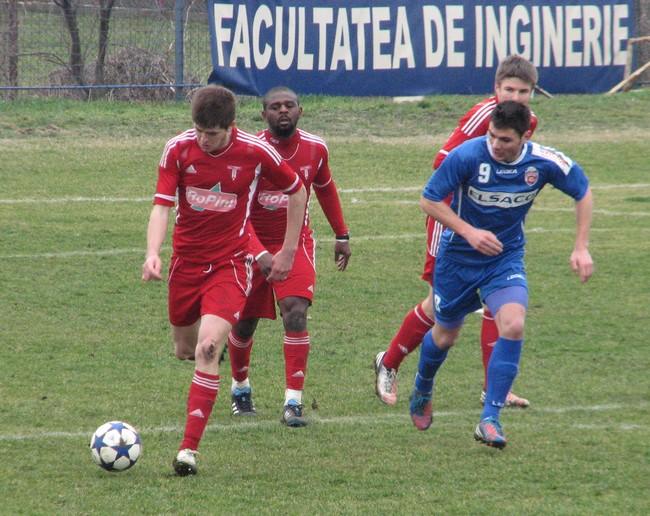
(265, 263)
(151, 268)
(282, 263)
(342, 254)
(582, 264)
(485, 242)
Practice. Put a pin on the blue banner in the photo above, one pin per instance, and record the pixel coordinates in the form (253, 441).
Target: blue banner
(405, 48)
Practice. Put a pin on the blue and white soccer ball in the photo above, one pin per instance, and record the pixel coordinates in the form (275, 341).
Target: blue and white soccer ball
(116, 446)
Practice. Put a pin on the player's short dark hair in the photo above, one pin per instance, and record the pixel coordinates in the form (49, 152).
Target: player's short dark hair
(516, 67)
(511, 115)
(278, 89)
(214, 106)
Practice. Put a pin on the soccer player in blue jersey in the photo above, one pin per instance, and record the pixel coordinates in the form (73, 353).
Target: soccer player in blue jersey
(494, 180)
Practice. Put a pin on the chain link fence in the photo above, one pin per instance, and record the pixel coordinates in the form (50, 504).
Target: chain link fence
(119, 49)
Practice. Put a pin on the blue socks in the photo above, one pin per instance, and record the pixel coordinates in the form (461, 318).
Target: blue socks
(431, 358)
(501, 373)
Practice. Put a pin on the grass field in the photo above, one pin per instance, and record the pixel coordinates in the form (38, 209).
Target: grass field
(84, 341)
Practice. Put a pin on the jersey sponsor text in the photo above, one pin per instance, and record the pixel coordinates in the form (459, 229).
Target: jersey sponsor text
(501, 199)
(273, 200)
(201, 199)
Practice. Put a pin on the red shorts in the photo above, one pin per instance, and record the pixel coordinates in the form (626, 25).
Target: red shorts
(218, 289)
(299, 283)
(434, 232)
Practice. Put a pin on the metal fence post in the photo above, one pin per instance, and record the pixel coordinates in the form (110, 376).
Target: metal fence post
(180, 29)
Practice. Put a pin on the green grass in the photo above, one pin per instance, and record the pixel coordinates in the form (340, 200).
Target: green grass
(85, 341)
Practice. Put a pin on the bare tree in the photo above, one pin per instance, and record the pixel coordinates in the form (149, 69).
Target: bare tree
(643, 29)
(106, 7)
(13, 42)
(76, 64)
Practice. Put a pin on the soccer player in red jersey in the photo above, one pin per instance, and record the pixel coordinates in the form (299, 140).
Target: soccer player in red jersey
(515, 79)
(308, 155)
(211, 172)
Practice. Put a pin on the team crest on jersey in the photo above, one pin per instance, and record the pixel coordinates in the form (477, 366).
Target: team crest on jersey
(531, 176)
(214, 199)
(234, 169)
(305, 171)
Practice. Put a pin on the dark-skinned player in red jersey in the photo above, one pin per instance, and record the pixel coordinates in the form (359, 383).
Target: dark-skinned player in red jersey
(308, 156)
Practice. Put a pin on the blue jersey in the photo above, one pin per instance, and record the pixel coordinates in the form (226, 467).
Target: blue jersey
(496, 196)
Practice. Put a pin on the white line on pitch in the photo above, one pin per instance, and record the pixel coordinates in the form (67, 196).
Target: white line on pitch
(64, 200)
(76, 199)
(344, 420)
(76, 254)
(608, 213)
(369, 238)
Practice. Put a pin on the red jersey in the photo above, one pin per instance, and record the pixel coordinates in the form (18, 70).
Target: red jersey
(215, 192)
(473, 124)
(308, 156)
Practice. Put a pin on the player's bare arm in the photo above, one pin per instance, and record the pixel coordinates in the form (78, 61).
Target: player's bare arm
(581, 261)
(483, 241)
(156, 232)
(283, 259)
(329, 200)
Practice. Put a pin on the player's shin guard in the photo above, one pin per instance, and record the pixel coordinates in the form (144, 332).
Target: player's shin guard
(489, 337)
(239, 351)
(296, 351)
(431, 358)
(200, 400)
(409, 336)
(502, 371)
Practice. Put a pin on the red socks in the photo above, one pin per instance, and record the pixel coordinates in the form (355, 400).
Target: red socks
(200, 400)
(414, 327)
(489, 337)
(240, 356)
(296, 351)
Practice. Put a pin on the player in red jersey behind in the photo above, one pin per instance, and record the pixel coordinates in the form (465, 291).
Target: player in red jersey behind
(211, 173)
(515, 79)
(308, 155)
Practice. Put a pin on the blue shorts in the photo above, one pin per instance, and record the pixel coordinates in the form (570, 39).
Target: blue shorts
(460, 289)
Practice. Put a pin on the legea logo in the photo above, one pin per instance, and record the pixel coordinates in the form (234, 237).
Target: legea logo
(211, 200)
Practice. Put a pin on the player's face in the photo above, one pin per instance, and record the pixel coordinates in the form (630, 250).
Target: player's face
(282, 114)
(506, 144)
(211, 140)
(514, 89)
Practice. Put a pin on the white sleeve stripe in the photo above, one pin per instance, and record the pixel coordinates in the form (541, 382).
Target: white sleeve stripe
(477, 118)
(316, 185)
(312, 138)
(256, 142)
(293, 185)
(187, 135)
(169, 198)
